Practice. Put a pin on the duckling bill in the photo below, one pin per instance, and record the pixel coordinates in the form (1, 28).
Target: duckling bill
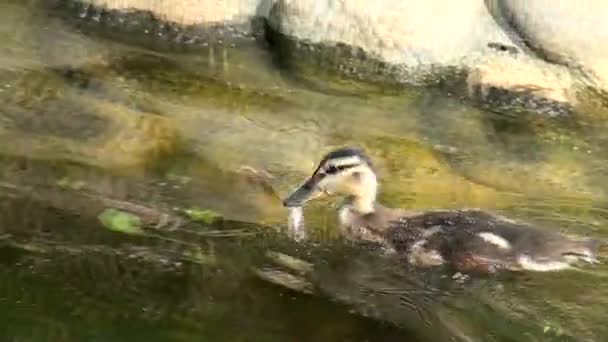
(468, 240)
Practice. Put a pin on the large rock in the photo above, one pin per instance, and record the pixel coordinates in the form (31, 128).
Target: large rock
(515, 84)
(163, 24)
(458, 45)
(188, 12)
(399, 31)
(406, 33)
(572, 33)
(484, 49)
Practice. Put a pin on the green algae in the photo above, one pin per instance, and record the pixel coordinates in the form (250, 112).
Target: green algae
(202, 215)
(121, 221)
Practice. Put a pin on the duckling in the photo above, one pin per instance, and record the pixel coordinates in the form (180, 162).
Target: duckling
(468, 240)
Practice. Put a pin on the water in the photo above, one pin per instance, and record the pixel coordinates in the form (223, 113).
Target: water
(87, 123)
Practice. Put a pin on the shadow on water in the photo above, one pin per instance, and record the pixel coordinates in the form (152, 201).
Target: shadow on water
(70, 278)
(170, 135)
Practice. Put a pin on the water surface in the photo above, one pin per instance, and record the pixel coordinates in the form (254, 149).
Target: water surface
(86, 122)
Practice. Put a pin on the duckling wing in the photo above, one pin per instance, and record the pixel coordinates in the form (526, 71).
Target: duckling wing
(543, 245)
(477, 240)
(451, 237)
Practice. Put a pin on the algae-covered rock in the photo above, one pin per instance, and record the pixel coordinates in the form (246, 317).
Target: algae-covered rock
(564, 32)
(395, 32)
(199, 25)
(391, 43)
(43, 118)
(182, 12)
(526, 85)
(480, 49)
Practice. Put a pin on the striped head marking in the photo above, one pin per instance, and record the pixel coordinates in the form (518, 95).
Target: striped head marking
(345, 171)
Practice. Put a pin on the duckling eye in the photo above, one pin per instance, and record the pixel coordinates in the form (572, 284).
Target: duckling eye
(331, 169)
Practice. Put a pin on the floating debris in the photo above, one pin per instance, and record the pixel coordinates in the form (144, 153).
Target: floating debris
(460, 277)
(284, 279)
(68, 184)
(183, 180)
(202, 215)
(121, 221)
(552, 329)
(295, 224)
(196, 255)
(292, 263)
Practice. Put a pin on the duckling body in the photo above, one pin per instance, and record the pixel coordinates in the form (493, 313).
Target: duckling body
(469, 240)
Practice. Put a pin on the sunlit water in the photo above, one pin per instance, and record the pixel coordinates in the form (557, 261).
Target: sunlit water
(85, 121)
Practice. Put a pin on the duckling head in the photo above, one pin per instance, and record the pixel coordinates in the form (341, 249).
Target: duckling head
(345, 171)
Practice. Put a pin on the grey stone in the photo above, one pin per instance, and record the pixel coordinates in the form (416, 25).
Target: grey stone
(462, 46)
(573, 33)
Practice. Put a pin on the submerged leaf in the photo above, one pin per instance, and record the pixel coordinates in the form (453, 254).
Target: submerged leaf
(67, 183)
(183, 180)
(120, 221)
(196, 255)
(202, 215)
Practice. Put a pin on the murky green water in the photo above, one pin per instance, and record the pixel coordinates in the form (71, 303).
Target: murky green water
(87, 123)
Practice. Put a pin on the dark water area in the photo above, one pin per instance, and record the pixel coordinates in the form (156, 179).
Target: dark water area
(107, 288)
(178, 137)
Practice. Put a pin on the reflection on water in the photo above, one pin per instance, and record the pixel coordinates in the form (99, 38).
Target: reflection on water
(87, 123)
